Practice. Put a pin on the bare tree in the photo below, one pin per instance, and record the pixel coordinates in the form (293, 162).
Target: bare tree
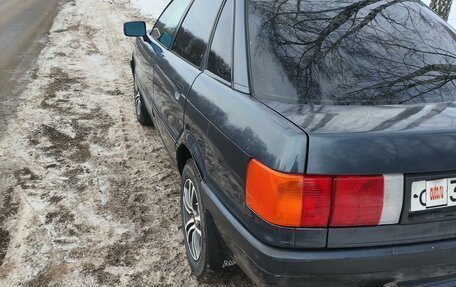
(442, 8)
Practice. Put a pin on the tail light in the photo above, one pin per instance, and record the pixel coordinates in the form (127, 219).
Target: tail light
(295, 200)
(357, 201)
(275, 196)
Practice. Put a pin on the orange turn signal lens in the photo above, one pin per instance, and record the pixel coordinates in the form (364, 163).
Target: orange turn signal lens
(290, 200)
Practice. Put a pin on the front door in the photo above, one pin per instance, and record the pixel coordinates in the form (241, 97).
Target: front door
(176, 69)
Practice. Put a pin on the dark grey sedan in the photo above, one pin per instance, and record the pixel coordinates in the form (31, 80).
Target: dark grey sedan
(316, 139)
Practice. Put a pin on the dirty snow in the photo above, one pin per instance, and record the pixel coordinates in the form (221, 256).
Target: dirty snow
(152, 8)
(88, 197)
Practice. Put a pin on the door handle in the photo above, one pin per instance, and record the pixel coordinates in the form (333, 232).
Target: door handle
(179, 91)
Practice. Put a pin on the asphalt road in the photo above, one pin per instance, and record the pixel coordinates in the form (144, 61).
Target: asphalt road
(23, 27)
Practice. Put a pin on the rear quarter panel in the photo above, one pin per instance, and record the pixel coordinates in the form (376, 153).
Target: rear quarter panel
(231, 128)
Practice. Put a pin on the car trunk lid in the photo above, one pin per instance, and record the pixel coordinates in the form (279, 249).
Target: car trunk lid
(414, 141)
(376, 139)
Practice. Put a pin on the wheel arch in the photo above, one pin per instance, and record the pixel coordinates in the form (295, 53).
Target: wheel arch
(188, 148)
(132, 63)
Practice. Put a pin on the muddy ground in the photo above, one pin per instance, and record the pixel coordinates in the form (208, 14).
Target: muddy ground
(87, 196)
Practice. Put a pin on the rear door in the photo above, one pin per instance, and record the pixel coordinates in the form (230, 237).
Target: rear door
(177, 68)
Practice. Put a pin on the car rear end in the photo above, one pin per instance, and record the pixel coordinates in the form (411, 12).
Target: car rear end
(373, 236)
(381, 227)
(372, 84)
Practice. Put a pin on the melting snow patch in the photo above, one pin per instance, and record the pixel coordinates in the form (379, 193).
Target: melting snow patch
(151, 8)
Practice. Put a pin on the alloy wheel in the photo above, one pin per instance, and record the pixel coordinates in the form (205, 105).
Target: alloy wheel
(137, 96)
(192, 220)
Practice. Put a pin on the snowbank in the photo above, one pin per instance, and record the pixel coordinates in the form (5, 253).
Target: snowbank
(151, 8)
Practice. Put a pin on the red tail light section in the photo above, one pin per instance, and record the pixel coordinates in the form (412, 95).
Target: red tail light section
(316, 203)
(358, 201)
(294, 200)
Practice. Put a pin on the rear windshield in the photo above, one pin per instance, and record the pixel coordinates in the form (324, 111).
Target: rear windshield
(350, 52)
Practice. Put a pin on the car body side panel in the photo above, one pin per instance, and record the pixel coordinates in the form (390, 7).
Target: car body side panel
(172, 80)
(257, 130)
(194, 136)
(231, 128)
(143, 62)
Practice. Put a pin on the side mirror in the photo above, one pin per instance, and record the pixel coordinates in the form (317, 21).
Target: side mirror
(135, 29)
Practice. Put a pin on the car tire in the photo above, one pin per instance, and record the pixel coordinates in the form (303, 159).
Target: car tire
(142, 115)
(204, 253)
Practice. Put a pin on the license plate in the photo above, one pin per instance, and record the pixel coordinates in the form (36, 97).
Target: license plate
(432, 194)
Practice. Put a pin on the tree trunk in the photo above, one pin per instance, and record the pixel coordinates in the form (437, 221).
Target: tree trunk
(442, 8)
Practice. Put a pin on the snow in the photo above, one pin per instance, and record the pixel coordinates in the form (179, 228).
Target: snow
(154, 8)
(151, 8)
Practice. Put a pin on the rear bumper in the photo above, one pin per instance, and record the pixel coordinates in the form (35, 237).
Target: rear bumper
(273, 266)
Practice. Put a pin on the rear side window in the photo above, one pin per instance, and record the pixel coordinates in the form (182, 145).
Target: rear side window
(193, 36)
(166, 25)
(221, 54)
